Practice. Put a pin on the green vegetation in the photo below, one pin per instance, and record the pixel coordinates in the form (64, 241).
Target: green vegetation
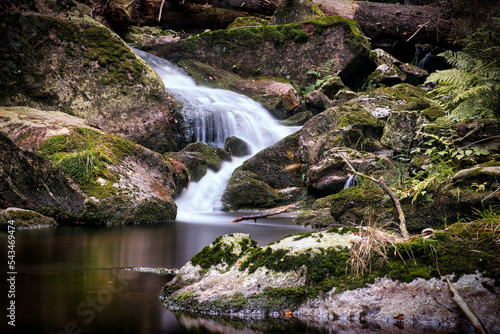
(84, 155)
(471, 89)
(223, 253)
(121, 64)
(322, 76)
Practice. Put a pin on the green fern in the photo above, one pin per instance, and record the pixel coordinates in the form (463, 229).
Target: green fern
(472, 87)
(323, 75)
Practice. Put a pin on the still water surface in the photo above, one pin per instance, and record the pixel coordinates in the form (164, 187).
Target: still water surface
(77, 279)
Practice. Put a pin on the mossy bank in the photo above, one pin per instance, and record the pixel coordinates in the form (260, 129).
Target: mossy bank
(300, 275)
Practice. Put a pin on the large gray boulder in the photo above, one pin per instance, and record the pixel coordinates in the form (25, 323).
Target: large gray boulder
(288, 51)
(72, 63)
(64, 168)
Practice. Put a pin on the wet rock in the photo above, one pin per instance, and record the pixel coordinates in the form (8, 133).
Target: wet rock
(330, 174)
(346, 125)
(21, 218)
(332, 86)
(317, 102)
(199, 157)
(400, 128)
(236, 147)
(390, 71)
(245, 190)
(345, 95)
(258, 180)
(298, 119)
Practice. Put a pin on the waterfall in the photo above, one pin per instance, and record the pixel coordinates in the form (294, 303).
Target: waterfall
(350, 182)
(212, 115)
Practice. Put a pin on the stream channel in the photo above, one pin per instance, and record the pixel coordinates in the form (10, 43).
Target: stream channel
(76, 279)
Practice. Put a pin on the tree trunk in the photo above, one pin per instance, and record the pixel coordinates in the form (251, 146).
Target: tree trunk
(183, 15)
(392, 21)
(261, 7)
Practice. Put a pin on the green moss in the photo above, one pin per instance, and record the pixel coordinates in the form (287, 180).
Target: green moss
(84, 155)
(352, 114)
(444, 254)
(122, 66)
(24, 219)
(275, 33)
(220, 252)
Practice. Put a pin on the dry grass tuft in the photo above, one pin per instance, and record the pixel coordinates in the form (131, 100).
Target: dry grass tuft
(373, 240)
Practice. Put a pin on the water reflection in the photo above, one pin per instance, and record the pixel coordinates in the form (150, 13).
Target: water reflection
(74, 279)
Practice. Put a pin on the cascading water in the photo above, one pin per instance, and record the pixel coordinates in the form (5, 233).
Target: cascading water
(211, 116)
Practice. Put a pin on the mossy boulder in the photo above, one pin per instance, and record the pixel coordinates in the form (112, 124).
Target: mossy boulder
(390, 71)
(311, 276)
(277, 95)
(21, 218)
(236, 147)
(317, 102)
(331, 173)
(359, 123)
(298, 119)
(59, 165)
(71, 63)
(245, 190)
(346, 125)
(289, 11)
(274, 169)
(332, 86)
(400, 129)
(199, 157)
(287, 51)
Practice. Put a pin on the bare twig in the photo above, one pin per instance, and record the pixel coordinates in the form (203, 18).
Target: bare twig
(469, 312)
(397, 204)
(161, 10)
(130, 4)
(423, 25)
(263, 215)
(493, 193)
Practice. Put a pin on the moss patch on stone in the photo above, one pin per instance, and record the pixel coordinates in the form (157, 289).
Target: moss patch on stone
(24, 219)
(84, 155)
(223, 253)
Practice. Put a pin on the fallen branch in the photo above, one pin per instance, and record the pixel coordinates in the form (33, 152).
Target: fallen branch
(469, 312)
(263, 215)
(397, 204)
(493, 193)
(423, 25)
(161, 10)
(130, 4)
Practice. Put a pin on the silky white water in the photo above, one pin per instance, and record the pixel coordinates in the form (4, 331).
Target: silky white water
(211, 116)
